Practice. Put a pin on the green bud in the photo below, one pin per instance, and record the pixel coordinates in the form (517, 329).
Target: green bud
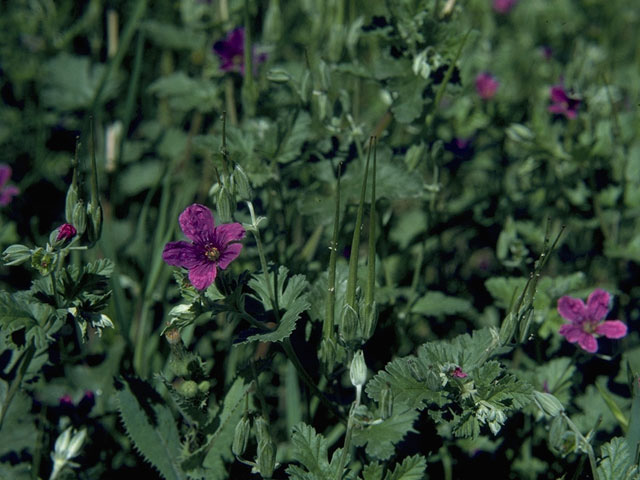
(386, 402)
(79, 217)
(508, 328)
(204, 386)
(223, 204)
(16, 254)
(43, 261)
(188, 389)
(548, 403)
(519, 133)
(266, 458)
(94, 212)
(277, 75)
(243, 187)
(348, 327)
(262, 430)
(179, 366)
(556, 431)
(70, 202)
(358, 370)
(369, 317)
(433, 381)
(241, 436)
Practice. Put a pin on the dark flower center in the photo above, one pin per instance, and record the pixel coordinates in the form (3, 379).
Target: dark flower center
(590, 327)
(212, 253)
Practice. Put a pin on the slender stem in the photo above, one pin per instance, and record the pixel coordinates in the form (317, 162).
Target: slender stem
(586, 444)
(56, 298)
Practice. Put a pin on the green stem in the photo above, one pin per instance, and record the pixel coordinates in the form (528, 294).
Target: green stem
(329, 319)
(586, 444)
(56, 297)
(22, 368)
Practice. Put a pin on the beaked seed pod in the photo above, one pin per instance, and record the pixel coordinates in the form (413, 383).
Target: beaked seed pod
(266, 458)
(241, 436)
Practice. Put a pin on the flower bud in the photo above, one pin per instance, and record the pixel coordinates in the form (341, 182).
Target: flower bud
(223, 205)
(94, 212)
(348, 326)
(79, 217)
(369, 320)
(548, 403)
(204, 386)
(16, 254)
(70, 202)
(66, 448)
(243, 187)
(241, 436)
(386, 402)
(277, 75)
(358, 370)
(188, 389)
(66, 231)
(266, 458)
(262, 430)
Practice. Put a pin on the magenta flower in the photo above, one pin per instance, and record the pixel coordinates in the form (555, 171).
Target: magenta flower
(458, 373)
(503, 6)
(231, 52)
(486, 85)
(7, 192)
(66, 231)
(587, 321)
(562, 104)
(212, 248)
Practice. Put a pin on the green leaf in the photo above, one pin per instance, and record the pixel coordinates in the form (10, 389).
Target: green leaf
(19, 432)
(150, 425)
(185, 93)
(168, 35)
(411, 468)
(372, 471)
(310, 449)
(295, 136)
(71, 82)
(503, 289)
(21, 311)
(616, 462)
(140, 176)
(381, 438)
(437, 304)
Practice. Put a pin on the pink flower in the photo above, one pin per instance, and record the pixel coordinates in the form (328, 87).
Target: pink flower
(231, 52)
(503, 6)
(7, 192)
(213, 247)
(587, 321)
(66, 231)
(458, 373)
(486, 85)
(562, 104)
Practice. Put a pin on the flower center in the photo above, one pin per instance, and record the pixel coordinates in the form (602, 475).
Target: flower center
(590, 327)
(212, 253)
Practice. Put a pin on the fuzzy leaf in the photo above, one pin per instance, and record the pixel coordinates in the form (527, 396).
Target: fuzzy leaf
(372, 471)
(381, 438)
(437, 304)
(411, 468)
(150, 425)
(290, 145)
(616, 462)
(310, 449)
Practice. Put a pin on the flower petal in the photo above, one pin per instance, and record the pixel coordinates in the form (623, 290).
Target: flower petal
(229, 254)
(7, 194)
(572, 309)
(229, 232)
(588, 342)
(203, 275)
(571, 332)
(558, 95)
(557, 108)
(612, 329)
(197, 223)
(182, 254)
(598, 304)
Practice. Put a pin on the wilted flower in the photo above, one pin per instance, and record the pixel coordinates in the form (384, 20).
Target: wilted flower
(7, 192)
(587, 321)
(503, 6)
(486, 85)
(562, 104)
(66, 231)
(212, 246)
(458, 373)
(231, 52)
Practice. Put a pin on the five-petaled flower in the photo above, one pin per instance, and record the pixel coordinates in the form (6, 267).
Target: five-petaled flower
(7, 192)
(231, 52)
(486, 85)
(587, 321)
(66, 231)
(562, 104)
(211, 248)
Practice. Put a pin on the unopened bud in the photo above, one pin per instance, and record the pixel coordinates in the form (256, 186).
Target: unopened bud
(79, 217)
(94, 212)
(358, 370)
(386, 402)
(519, 133)
(278, 75)
(243, 187)
(66, 231)
(262, 430)
(16, 254)
(548, 403)
(348, 327)
(223, 204)
(370, 320)
(266, 458)
(204, 386)
(188, 389)
(70, 202)
(241, 436)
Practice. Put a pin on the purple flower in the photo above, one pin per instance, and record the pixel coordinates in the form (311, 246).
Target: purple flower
(486, 85)
(7, 192)
(231, 52)
(503, 6)
(458, 373)
(587, 321)
(66, 231)
(212, 246)
(562, 104)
